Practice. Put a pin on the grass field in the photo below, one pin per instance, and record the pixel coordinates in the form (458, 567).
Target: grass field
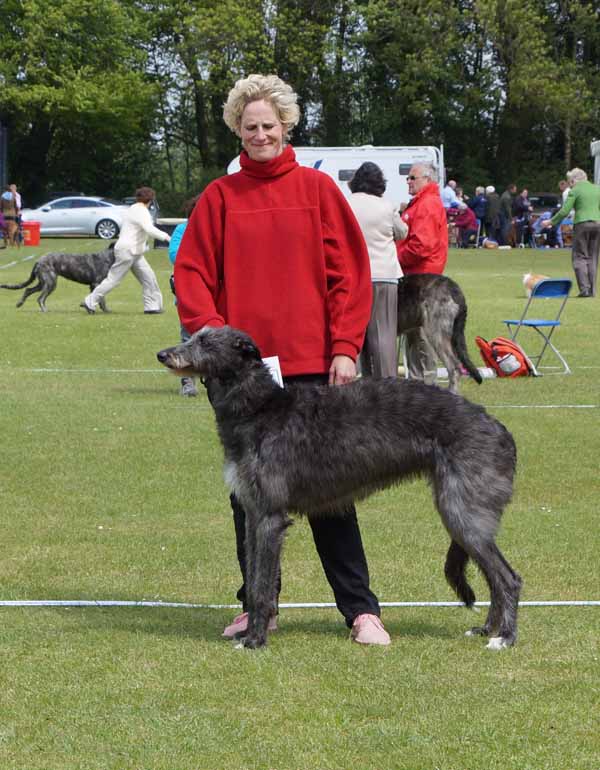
(111, 489)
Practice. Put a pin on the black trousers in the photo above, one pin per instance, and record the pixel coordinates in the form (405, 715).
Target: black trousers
(339, 546)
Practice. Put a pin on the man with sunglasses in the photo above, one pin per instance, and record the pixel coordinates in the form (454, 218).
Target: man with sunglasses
(424, 250)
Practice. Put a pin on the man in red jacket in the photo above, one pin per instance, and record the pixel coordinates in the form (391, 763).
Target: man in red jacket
(424, 250)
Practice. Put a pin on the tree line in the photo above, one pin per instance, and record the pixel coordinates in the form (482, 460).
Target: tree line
(103, 95)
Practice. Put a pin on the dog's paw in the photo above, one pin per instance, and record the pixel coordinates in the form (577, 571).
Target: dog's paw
(254, 642)
(498, 643)
(477, 631)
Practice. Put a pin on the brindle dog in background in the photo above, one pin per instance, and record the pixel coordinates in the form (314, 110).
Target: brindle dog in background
(314, 449)
(89, 269)
(437, 305)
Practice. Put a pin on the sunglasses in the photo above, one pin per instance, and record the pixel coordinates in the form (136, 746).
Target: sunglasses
(411, 177)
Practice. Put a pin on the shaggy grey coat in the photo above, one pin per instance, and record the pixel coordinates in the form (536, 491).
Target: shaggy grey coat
(437, 305)
(89, 269)
(317, 449)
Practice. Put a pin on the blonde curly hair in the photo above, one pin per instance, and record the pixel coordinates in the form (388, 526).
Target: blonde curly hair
(272, 89)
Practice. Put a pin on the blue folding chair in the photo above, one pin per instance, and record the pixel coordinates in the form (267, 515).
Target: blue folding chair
(548, 288)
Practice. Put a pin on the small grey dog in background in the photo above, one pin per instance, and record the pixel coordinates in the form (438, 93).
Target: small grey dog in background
(310, 450)
(89, 269)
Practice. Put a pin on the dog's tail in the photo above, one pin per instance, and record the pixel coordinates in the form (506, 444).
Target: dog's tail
(460, 346)
(456, 562)
(31, 279)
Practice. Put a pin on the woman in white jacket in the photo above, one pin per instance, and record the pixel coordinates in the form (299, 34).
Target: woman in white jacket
(129, 255)
(381, 225)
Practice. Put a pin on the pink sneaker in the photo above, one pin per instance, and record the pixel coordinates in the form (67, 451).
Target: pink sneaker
(368, 629)
(240, 624)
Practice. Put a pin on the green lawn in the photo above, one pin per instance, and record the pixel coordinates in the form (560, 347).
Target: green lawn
(111, 488)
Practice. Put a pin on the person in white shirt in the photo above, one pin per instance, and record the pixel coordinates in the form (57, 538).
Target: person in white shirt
(450, 199)
(129, 255)
(381, 226)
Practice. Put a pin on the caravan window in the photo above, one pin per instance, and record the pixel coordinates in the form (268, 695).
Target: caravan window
(404, 169)
(346, 174)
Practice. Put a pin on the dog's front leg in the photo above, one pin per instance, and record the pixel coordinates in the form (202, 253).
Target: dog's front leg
(264, 540)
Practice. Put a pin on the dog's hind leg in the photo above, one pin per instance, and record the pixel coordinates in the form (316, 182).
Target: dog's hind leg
(440, 341)
(264, 540)
(473, 530)
(456, 562)
(48, 288)
(505, 586)
(28, 292)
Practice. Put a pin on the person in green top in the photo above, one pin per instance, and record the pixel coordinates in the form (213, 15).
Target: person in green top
(584, 199)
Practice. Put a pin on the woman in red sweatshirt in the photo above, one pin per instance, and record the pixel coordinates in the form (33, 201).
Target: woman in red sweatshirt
(275, 250)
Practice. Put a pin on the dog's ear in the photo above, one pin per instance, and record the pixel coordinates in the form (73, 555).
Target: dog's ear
(247, 348)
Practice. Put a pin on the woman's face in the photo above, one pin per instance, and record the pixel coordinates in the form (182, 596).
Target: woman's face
(261, 131)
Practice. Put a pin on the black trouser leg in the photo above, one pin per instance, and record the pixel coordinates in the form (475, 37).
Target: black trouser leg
(340, 549)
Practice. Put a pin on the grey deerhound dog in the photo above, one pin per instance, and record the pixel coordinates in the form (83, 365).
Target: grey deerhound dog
(306, 450)
(90, 269)
(437, 304)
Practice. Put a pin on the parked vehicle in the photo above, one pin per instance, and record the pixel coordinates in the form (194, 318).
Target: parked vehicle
(340, 163)
(544, 202)
(78, 215)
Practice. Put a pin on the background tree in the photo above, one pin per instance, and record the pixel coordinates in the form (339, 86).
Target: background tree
(74, 94)
(100, 95)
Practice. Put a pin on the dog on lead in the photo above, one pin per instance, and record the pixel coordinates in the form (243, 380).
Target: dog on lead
(89, 269)
(313, 449)
(436, 305)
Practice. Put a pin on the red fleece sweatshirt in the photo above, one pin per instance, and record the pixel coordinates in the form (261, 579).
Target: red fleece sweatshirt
(425, 248)
(276, 251)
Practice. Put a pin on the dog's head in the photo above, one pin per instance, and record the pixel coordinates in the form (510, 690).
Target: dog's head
(220, 353)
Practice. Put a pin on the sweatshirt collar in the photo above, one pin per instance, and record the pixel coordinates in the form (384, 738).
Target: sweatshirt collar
(282, 164)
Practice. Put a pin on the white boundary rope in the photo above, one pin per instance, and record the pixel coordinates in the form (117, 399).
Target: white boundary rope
(283, 605)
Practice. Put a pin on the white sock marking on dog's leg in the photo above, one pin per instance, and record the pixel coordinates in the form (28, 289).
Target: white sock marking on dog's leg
(497, 643)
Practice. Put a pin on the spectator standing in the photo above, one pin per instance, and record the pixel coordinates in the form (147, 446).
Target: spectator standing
(188, 384)
(8, 208)
(276, 251)
(424, 250)
(479, 204)
(492, 214)
(381, 225)
(506, 201)
(521, 210)
(17, 194)
(129, 255)
(449, 197)
(584, 199)
(564, 188)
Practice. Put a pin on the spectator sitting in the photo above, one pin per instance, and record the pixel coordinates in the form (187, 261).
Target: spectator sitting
(467, 224)
(546, 237)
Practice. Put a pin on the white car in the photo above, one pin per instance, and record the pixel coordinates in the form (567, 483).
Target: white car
(78, 215)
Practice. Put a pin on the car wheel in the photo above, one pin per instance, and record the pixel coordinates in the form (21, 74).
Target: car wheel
(107, 229)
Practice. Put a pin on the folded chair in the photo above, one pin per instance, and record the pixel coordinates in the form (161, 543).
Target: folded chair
(556, 289)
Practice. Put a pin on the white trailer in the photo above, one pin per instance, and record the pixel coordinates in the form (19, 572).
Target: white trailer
(341, 163)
